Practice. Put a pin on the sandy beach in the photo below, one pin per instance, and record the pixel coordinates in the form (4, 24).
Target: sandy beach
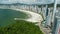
(34, 16)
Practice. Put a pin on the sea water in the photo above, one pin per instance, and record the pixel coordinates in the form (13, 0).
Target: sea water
(7, 16)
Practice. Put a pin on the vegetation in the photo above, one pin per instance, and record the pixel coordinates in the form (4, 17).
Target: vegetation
(21, 27)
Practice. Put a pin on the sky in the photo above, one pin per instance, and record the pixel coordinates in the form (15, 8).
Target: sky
(28, 1)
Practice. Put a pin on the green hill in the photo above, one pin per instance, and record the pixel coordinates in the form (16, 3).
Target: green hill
(21, 27)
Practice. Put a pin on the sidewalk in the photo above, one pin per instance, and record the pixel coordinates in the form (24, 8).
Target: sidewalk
(45, 30)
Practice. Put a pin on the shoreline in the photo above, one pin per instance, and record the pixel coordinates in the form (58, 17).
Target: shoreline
(34, 16)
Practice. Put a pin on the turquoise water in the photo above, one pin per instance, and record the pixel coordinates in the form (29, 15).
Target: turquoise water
(7, 16)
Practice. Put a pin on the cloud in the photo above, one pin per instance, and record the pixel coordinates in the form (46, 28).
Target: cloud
(27, 1)
(58, 1)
